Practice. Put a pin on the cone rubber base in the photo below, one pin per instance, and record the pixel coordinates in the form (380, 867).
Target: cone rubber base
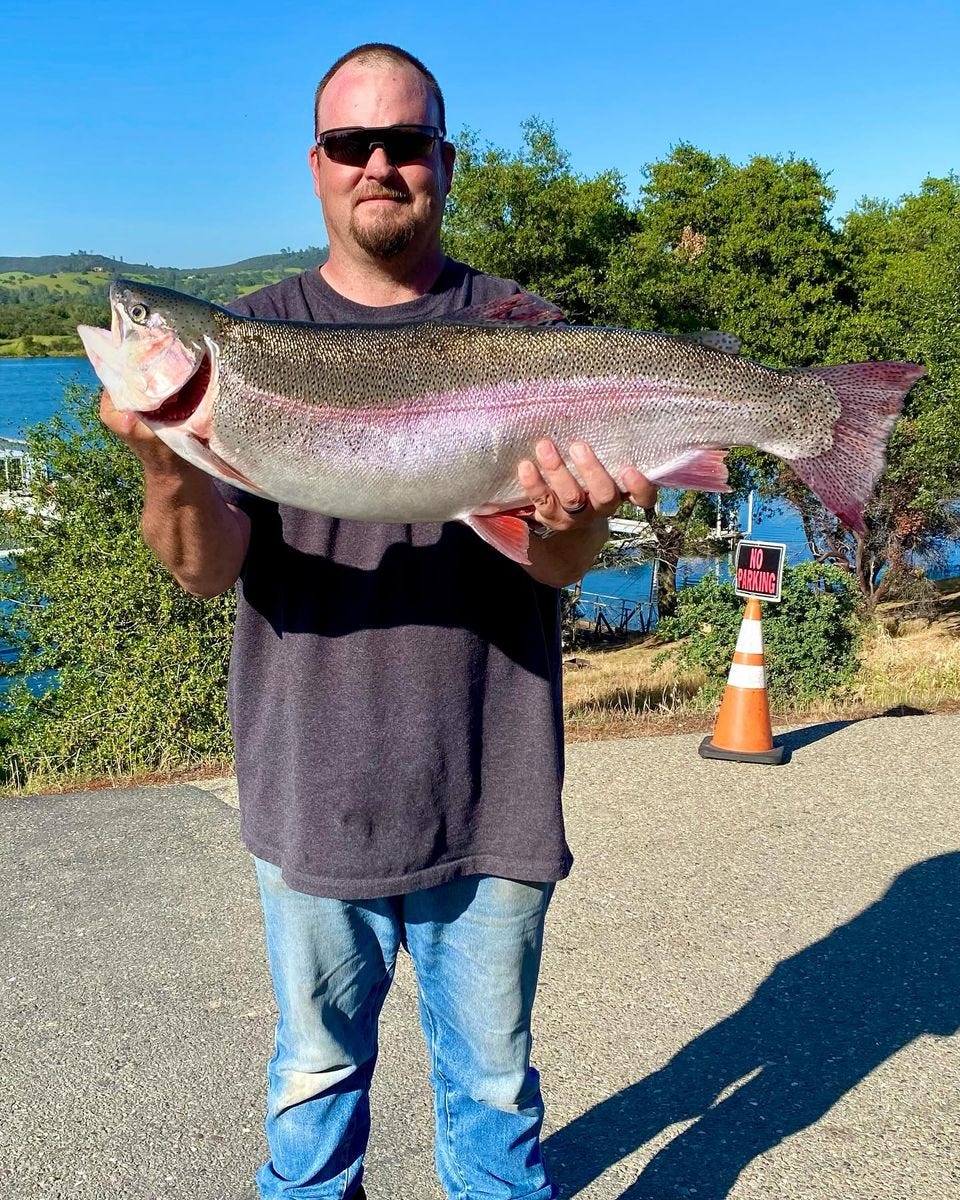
(774, 756)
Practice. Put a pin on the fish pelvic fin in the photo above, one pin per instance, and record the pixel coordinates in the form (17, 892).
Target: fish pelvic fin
(506, 532)
(871, 396)
(696, 470)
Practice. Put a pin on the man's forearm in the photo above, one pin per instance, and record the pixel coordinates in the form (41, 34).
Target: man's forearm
(199, 538)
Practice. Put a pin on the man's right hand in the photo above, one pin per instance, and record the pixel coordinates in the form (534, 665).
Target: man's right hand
(144, 443)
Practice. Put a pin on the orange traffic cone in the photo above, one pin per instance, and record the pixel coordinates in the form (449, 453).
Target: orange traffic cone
(742, 732)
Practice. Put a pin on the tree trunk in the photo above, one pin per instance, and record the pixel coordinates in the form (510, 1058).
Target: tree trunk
(670, 542)
(666, 587)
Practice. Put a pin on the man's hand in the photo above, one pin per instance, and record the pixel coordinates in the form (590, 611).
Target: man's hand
(562, 504)
(578, 512)
(140, 438)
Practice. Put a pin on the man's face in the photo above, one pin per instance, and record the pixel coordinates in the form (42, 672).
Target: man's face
(383, 209)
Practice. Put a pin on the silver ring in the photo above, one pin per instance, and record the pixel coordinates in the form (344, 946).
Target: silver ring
(542, 531)
(573, 511)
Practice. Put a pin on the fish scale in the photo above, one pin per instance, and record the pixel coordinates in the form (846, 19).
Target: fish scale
(429, 421)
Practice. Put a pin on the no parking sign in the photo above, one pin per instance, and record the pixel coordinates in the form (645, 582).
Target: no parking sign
(759, 569)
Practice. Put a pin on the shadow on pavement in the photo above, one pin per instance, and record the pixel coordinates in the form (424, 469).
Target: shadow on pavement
(814, 1028)
(796, 739)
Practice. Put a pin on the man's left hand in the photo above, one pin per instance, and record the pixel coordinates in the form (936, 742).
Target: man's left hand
(577, 510)
(562, 503)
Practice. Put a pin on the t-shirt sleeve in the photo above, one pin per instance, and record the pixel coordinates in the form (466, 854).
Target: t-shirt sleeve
(262, 303)
(241, 306)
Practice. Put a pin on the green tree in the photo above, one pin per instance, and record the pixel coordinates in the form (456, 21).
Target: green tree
(528, 216)
(744, 249)
(812, 637)
(140, 667)
(904, 266)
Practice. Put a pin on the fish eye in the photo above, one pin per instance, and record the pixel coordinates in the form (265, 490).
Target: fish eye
(138, 313)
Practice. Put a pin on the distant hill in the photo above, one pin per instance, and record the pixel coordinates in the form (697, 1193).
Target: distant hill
(53, 264)
(81, 261)
(301, 259)
(43, 299)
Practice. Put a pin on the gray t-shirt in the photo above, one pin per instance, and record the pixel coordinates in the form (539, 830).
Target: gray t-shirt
(394, 689)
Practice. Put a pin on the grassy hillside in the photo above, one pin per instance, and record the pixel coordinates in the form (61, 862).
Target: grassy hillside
(43, 345)
(43, 300)
(58, 282)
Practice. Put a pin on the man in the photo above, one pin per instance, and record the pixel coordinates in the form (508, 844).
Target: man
(395, 701)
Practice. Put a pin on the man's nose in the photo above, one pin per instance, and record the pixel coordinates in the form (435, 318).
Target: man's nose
(379, 165)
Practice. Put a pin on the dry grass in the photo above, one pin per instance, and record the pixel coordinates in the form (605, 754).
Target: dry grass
(916, 664)
(906, 665)
(47, 785)
(626, 681)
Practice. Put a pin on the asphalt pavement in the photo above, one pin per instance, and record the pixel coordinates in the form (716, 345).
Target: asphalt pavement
(751, 984)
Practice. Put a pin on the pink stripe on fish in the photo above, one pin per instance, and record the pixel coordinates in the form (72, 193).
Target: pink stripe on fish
(552, 396)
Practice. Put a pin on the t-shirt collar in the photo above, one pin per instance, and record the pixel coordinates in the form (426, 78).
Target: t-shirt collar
(420, 309)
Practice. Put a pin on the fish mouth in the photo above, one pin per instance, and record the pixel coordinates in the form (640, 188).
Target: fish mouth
(183, 404)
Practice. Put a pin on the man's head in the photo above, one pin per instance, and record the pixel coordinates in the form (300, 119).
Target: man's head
(391, 205)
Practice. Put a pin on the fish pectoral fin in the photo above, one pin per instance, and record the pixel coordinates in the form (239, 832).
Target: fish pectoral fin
(697, 470)
(506, 532)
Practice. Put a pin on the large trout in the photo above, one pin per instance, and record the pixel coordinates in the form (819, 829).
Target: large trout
(428, 421)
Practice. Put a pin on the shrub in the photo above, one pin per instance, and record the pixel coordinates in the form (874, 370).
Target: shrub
(811, 638)
(140, 667)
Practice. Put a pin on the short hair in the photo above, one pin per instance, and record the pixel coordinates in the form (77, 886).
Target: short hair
(382, 52)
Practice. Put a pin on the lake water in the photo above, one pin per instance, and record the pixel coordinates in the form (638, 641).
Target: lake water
(622, 588)
(625, 587)
(31, 390)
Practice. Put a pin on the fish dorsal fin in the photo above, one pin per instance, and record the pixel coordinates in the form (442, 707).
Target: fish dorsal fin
(713, 339)
(521, 309)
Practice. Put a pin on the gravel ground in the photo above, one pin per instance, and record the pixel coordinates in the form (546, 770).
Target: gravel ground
(751, 985)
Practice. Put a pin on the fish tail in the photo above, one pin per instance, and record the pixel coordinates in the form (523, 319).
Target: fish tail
(871, 396)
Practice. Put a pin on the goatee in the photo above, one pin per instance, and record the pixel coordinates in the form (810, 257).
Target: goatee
(392, 232)
(385, 239)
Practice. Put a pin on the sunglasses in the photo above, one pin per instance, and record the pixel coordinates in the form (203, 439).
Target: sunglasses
(401, 143)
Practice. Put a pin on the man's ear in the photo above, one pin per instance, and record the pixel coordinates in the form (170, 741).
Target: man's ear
(448, 155)
(313, 156)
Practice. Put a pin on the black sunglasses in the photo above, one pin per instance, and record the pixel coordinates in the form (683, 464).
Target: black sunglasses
(352, 147)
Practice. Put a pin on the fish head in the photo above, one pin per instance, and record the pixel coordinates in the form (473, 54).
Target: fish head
(157, 342)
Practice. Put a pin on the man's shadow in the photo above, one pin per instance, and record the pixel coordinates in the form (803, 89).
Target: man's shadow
(814, 1028)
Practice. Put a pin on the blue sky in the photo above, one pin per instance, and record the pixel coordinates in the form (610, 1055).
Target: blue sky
(176, 133)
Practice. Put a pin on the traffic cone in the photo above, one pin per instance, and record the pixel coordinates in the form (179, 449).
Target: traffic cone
(742, 732)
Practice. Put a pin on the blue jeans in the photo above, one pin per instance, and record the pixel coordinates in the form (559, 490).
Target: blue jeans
(475, 945)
